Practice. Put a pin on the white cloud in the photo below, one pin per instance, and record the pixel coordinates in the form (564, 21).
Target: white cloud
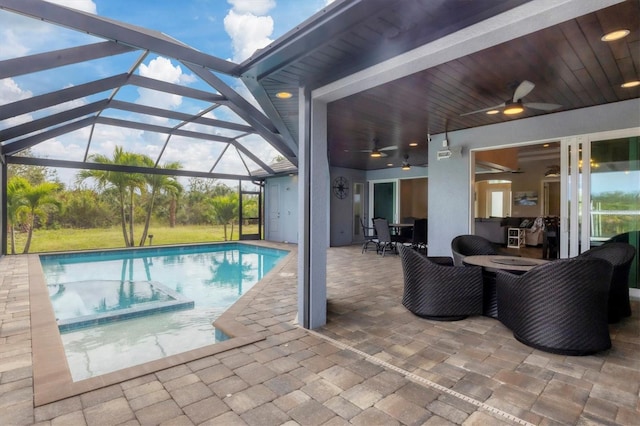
(12, 46)
(161, 69)
(255, 7)
(10, 92)
(248, 31)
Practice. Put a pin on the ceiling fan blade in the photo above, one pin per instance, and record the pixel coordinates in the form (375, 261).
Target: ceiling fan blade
(523, 90)
(542, 106)
(388, 148)
(484, 109)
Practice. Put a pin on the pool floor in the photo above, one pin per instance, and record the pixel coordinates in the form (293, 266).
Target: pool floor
(115, 312)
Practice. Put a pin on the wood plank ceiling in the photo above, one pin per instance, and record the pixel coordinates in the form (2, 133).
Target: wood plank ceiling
(568, 63)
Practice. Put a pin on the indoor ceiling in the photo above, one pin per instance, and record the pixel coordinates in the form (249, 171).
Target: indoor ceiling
(568, 63)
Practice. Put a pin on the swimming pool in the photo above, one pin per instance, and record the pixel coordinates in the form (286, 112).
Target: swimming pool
(121, 308)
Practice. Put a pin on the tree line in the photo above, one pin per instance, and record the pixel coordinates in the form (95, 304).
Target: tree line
(37, 199)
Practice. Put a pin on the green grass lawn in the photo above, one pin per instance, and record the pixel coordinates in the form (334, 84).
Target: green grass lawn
(48, 240)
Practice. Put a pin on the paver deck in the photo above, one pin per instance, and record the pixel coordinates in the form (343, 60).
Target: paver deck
(373, 363)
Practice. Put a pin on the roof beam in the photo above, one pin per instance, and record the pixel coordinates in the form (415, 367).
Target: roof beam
(161, 129)
(175, 89)
(52, 120)
(58, 58)
(248, 113)
(64, 95)
(47, 162)
(174, 115)
(118, 32)
(22, 144)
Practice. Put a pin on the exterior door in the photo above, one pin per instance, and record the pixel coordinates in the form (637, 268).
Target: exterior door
(358, 212)
(275, 228)
(384, 202)
(600, 183)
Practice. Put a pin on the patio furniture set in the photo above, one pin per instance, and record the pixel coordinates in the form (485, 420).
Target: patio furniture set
(562, 306)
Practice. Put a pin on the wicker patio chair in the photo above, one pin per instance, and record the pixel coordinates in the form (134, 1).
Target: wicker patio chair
(620, 255)
(419, 237)
(558, 307)
(438, 290)
(470, 245)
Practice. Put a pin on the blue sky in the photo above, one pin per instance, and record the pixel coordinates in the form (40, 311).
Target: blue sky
(229, 29)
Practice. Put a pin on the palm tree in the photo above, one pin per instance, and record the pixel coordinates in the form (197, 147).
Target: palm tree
(125, 184)
(36, 197)
(224, 209)
(159, 183)
(15, 200)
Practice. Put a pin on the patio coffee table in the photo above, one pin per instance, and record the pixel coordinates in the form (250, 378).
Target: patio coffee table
(490, 264)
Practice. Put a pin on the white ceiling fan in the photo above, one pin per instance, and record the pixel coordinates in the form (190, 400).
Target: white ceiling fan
(516, 105)
(376, 151)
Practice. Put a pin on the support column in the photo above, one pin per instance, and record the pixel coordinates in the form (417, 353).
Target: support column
(313, 208)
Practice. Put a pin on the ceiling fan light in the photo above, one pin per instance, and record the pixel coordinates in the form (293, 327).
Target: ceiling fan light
(513, 109)
(629, 84)
(413, 144)
(492, 112)
(615, 35)
(406, 166)
(376, 154)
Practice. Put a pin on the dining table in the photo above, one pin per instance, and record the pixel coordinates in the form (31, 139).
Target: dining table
(396, 228)
(492, 263)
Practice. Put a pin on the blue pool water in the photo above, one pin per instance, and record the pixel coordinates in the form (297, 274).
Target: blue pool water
(125, 307)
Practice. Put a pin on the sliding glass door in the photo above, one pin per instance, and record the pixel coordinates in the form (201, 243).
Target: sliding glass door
(601, 189)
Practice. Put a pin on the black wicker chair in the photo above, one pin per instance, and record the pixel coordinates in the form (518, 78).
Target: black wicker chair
(420, 234)
(435, 289)
(620, 255)
(470, 245)
(558, 307)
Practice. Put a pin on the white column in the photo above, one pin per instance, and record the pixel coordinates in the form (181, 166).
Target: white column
(313, 208)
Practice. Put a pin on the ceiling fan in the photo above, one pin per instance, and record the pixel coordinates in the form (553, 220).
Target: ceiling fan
(376, 152)
(515, 105)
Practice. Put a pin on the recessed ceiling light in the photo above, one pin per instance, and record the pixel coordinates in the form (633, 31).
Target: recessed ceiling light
(615, 35)
(492, 112)
(546, 145)
(389, 164)
(413, 144)
(283, 95)
(629, 84)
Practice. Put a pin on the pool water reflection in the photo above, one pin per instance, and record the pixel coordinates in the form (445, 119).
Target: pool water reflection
(130, 297)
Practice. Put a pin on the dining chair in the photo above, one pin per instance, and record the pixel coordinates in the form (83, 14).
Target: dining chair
(385, 239)
(370, 237)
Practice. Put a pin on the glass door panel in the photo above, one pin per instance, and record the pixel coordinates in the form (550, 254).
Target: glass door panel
(358, 211)
(614, 206)
(384, 200)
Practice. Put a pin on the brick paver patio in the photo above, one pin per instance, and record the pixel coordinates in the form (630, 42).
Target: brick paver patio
(374, 363)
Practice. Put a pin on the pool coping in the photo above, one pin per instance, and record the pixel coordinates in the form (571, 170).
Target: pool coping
(51, 375)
